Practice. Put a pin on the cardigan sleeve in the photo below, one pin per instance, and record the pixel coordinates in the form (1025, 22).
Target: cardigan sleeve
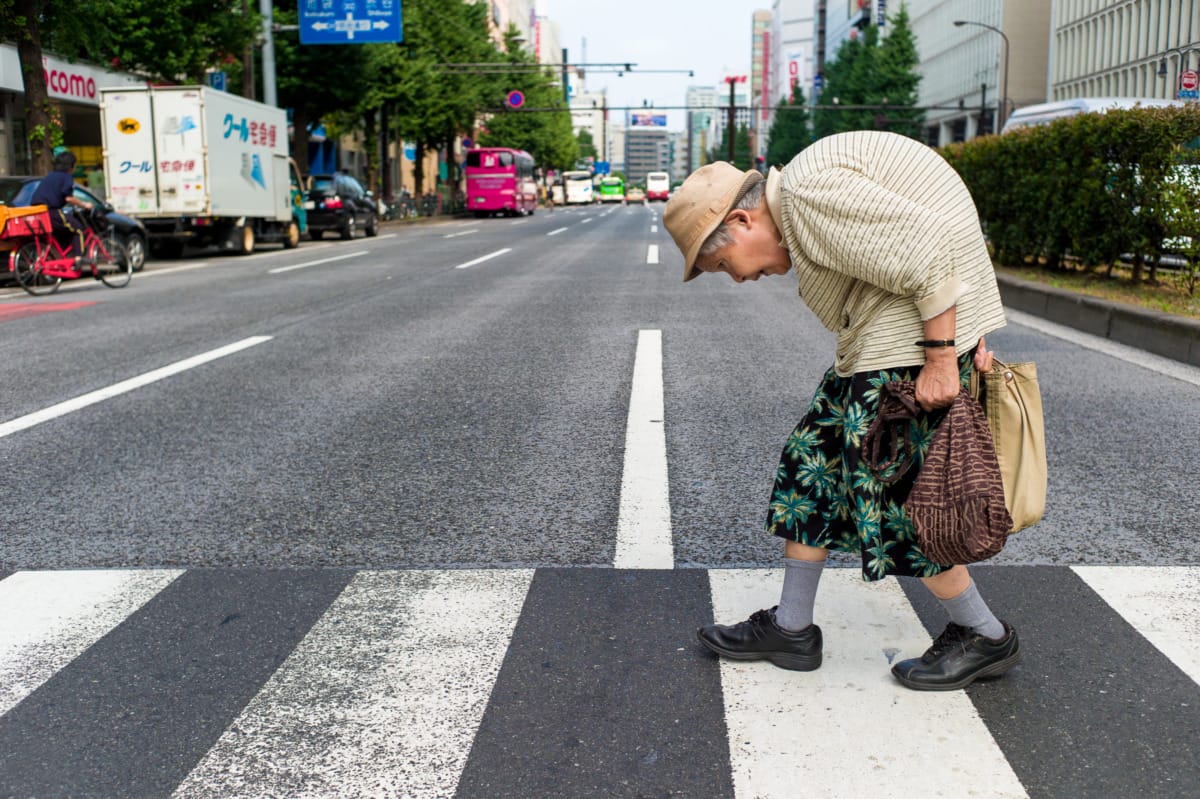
(850, 224)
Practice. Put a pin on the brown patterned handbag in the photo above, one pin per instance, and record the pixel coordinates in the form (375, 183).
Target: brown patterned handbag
(957, 500)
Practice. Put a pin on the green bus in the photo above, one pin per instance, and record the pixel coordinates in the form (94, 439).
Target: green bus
(612, 190)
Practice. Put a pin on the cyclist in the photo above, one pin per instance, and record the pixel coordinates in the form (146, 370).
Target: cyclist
(56, 192)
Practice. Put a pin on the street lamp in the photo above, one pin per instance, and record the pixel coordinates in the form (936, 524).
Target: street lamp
(1183, 53)
(1003, 104)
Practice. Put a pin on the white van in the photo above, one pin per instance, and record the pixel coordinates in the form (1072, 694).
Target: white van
(1045, 113)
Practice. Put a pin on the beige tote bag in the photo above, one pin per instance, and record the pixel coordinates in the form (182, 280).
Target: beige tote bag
(1012, 402)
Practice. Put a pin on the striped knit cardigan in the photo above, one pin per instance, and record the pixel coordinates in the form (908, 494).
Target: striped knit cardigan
(883, 235)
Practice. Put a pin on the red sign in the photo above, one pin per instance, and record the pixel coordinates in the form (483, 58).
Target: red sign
(1189, 80)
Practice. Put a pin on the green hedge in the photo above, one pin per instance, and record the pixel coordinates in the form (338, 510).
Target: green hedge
(1093, 186)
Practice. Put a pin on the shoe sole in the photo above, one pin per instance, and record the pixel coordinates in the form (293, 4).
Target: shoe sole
(783, 660)
(994, 670)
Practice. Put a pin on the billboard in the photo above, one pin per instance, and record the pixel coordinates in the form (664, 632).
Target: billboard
(654, 120)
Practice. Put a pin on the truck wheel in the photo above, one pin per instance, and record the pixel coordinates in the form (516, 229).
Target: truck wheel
(291, 239)
(246, 245)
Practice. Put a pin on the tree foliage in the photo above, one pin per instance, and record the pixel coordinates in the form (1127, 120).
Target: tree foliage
(790, 131)
(743, 157)
(880, 75)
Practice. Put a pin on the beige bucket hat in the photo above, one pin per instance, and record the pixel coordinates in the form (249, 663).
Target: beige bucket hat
(698, 207)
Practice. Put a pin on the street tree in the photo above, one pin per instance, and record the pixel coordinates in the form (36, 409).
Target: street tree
(790, 131)
(545, 134)
(872, 84)
(743, 158)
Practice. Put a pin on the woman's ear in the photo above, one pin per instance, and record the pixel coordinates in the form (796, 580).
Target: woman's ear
(738, 216)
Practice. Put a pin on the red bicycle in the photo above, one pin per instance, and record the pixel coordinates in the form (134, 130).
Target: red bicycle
(41, 263)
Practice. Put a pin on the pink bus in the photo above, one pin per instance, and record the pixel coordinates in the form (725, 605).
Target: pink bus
(500, 181)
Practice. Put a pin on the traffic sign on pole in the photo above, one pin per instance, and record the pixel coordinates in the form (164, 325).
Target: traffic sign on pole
(350, 21)
(515, 99)
(1189, 80)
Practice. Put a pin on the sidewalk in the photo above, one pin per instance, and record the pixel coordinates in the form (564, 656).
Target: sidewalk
(1160, 333)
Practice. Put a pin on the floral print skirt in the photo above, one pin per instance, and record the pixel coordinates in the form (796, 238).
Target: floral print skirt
(825, 496)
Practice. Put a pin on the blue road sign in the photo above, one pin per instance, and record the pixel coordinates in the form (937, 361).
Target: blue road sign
(515, 99)
(350, 21)
(216, 79)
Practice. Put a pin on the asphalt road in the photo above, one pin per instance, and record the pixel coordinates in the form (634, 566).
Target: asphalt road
(408, 413)
(330, 506)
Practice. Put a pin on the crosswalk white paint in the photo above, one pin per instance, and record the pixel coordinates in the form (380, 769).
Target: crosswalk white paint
(47, 619)
(644, 518)
(912, 743)
(1162, 602)
(387, 689)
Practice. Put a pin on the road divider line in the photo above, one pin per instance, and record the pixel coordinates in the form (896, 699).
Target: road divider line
(644, 517)
(652, 254)
(125, 386)
(654, 228)
(307, 264)
(462, 233)
(487, 257)
(589, 219)
(172, 269)
(556, 232)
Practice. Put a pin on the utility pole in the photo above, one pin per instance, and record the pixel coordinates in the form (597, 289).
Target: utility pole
(266, 10)
(566, 85)
(247, 60)
(732, 80)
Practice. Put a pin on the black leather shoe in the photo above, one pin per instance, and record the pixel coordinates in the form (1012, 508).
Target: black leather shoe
(760, 638)
(959, 657)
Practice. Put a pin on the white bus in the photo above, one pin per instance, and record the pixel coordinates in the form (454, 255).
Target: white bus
(658, 186)
(577, 187)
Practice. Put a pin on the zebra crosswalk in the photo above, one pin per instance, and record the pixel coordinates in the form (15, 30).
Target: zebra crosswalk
(571, 682)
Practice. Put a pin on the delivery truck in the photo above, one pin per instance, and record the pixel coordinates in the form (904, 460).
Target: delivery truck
(200, 166)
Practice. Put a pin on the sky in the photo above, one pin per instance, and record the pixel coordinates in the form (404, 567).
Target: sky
(709, 37)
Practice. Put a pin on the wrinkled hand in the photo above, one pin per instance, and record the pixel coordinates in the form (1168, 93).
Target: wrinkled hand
(938, 384)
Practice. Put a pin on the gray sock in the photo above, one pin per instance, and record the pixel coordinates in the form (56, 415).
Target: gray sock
(800, 578)
(969, 610)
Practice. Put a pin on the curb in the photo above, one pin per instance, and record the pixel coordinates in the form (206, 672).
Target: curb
(1162, 334)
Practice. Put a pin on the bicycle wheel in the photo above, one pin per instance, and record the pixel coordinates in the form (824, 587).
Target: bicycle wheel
(113, 265)
(29, 272)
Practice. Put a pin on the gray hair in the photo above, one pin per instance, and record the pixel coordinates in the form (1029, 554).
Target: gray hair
(721, 237)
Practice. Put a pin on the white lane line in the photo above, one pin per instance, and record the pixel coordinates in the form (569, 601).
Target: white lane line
(487, 257)
(307, 264)
(1155, 363)
(387, 689)
(654, 228)
(92, 397)
(652, 254)
(48, 618)
(644, 517)
(773, 716)
(584, 222)
(461, 233)
(556, 232)
(518, 221)
(1161, 602)
(172, 270)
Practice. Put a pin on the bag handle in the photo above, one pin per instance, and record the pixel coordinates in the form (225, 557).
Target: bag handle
(897, 407)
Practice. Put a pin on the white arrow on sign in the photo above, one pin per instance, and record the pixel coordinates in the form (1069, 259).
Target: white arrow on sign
(321, 26)
(381, 25)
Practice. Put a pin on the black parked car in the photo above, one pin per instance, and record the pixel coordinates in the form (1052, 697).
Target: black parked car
(16, 191)
(339, 202)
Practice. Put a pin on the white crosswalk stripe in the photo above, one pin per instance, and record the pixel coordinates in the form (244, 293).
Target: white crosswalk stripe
(386, 692)
(48, 618)
(776, 716)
